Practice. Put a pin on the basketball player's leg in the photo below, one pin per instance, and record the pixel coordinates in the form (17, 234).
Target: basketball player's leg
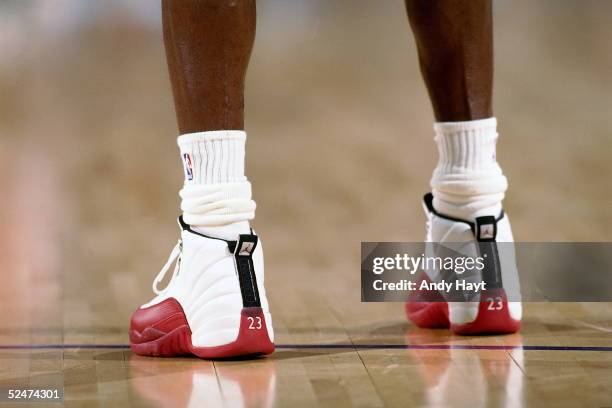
(215, 303)
(208, 46)
(455, 47)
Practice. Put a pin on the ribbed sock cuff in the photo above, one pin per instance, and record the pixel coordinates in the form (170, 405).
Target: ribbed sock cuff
(467, 181)
(216, 192)
(213, 157)
(466, 146)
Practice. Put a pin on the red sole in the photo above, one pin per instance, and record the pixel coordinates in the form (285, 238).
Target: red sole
(175, 343)
(252, 339)
(428, 315)
(493, 316)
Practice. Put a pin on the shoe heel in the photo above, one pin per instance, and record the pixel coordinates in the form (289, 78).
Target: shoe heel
(252, 338)
(493, 316)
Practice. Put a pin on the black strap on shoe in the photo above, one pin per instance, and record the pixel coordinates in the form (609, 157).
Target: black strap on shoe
(486, 235)
(242, 250)
(485, 232)
(243, 256)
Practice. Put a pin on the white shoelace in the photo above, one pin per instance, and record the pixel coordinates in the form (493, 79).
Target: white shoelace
(175, 255)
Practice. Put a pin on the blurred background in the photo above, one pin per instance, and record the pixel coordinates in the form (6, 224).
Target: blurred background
(340, 146)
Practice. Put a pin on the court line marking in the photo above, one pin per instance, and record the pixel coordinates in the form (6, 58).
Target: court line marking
(334, 346)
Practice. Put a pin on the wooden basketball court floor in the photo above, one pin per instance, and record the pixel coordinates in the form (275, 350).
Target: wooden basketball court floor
(339, 152)
(332, 351)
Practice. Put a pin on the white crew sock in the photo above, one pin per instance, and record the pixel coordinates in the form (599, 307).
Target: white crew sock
(216, 196)
(467, 182)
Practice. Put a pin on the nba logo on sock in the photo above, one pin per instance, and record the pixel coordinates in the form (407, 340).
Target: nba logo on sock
(188, 166)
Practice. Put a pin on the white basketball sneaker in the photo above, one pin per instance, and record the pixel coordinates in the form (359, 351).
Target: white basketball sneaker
(215, 305)
(497, 309)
